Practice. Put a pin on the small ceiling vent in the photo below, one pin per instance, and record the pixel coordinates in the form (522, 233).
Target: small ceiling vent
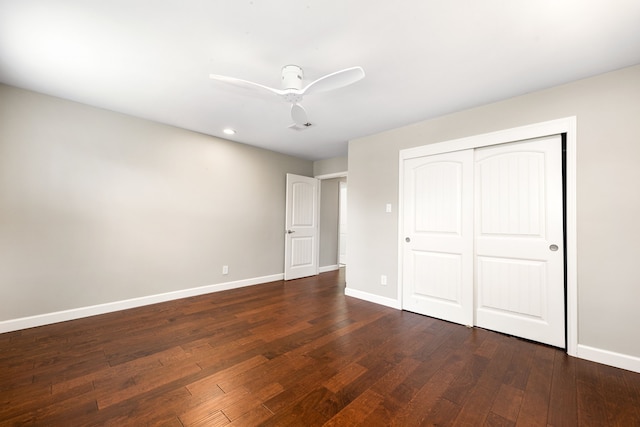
(300, 128)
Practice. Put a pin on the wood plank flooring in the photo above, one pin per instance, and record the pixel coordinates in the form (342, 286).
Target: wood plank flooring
(297, 353)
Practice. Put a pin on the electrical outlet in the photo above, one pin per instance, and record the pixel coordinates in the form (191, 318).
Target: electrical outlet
(225, 269)
(383, 280)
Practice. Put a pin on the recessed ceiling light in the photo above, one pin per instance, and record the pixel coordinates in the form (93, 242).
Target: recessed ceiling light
(229, 131)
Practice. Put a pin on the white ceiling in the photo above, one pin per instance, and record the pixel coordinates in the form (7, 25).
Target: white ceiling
(422, 58)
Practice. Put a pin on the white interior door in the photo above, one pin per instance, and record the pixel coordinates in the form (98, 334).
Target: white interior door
(437, 270)
(301, 227)
(519, 240)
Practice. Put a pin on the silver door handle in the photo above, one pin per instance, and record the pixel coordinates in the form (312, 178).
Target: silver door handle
(290, 231)
(553, 248)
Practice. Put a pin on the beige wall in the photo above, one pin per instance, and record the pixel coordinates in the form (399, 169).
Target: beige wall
(97, 207)
(334, 165)
(607, 108)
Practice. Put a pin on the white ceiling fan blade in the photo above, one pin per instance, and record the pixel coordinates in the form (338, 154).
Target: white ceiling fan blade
(335, 80)
(245, 84)
(299, 115)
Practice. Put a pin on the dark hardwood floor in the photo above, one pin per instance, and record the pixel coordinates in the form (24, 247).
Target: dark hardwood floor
(298, 353)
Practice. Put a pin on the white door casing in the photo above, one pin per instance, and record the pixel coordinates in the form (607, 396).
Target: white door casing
(438, 236)
(519, 239)
(301, 227)
(342, 225)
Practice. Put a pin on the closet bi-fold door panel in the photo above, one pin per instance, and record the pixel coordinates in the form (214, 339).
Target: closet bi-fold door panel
(519, 261)
(438, 236)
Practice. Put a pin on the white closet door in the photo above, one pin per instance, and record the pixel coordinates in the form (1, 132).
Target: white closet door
(519, 240)
(438, 247)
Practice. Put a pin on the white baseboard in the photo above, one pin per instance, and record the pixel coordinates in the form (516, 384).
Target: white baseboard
(389, 302)
(328, 268)
(606, 357)
(77, 313)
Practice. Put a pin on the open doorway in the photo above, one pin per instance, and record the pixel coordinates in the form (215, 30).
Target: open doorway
(333, 222)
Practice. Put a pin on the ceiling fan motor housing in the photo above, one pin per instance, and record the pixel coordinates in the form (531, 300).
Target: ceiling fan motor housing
(292, 77)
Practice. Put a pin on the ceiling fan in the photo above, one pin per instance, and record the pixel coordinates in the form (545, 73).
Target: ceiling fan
(292, 90)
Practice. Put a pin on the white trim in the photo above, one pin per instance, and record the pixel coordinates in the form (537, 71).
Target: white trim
(401, 236)
(536, 130)
(572, 236)
(327, 268)
(606, 357)
(93, 310)
(366, 296)
(568, 126)
(331, 175)
(342, 221)
(318, 212)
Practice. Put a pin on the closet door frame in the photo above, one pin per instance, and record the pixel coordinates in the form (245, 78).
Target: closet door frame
(566, 126)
